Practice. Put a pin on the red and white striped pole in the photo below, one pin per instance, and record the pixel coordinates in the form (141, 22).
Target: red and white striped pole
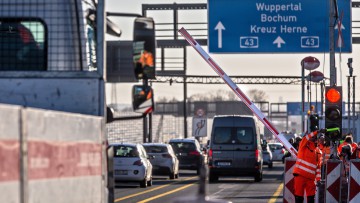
(237, 91)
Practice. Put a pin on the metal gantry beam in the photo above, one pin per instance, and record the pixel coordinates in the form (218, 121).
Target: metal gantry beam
(197, 79)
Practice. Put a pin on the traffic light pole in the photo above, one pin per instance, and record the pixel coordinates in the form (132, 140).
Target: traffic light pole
(333, 15)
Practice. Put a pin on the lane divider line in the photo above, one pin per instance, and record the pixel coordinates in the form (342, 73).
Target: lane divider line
(150, 190)
(166, 193)
(276, 194)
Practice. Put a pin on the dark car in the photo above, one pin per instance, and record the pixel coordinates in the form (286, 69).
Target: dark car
(189, 153)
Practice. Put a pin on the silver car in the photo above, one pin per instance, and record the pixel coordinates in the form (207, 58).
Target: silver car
(278, 151)
(163, 159)
(267, 155)
(131, 164)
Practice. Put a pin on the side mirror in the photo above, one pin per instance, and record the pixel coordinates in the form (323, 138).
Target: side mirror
(142, 99)
(144, 48)
(151, 157)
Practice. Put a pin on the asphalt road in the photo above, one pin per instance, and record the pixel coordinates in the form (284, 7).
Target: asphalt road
(230, 189)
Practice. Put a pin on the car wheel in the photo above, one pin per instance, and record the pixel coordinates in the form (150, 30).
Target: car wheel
(198, 171)
(143, 183)
(258, 177)
(213, 178)
(270, 165)
(177, 175)
(149, 183)
(172, 175)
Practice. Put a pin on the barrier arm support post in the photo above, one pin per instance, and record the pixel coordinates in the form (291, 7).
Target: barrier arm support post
(237, 91)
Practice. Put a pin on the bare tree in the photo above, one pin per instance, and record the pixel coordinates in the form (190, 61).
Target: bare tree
(257, 95)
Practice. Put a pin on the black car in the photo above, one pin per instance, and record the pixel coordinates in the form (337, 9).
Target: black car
(189, 153)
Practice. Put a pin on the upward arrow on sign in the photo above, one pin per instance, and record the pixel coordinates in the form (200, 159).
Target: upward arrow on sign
(219, 27)
(279, 41)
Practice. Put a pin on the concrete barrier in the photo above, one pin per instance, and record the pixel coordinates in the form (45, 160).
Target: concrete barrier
(65, 157)
(10, 131)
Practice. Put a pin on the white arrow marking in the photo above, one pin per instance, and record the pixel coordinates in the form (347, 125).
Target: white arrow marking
(279, 41)
(342, 27)
(219, 27)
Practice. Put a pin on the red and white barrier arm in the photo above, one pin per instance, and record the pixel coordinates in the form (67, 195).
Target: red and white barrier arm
(237, 91)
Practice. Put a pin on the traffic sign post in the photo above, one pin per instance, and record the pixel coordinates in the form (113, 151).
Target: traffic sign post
(251, 26)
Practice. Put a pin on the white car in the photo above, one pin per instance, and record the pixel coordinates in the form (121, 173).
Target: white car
(131, 164)
(278, 151)
(163, 159)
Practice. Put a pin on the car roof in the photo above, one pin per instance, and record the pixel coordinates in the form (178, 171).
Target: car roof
(183, 140)
(123, 144)
(156, 144)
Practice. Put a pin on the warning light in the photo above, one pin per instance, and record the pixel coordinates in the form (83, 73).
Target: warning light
(333, 95)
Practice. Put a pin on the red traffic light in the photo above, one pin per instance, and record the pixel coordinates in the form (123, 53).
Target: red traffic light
(333, 95)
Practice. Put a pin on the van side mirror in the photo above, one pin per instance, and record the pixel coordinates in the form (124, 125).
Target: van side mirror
(144, 48)
(142, 99)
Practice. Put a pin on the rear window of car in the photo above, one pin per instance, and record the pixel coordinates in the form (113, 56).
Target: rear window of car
(22, 44)
(155, 149)
(125, 151)
(275, 146)
(241, 135)
(183, 146)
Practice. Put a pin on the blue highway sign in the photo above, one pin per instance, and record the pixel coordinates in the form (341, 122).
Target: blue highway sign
(276, 26)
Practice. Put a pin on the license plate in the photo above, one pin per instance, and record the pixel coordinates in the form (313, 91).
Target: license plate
(223, 163)
(121, 172)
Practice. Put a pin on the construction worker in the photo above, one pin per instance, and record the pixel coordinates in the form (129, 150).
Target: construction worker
(324, 146)
(306, 166)
(349, 140)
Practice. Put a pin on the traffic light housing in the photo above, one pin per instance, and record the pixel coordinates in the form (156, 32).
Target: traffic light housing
(314, 122)
(333, 111)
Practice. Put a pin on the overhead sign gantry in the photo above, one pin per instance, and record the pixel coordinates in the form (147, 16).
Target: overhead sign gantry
(252, 26)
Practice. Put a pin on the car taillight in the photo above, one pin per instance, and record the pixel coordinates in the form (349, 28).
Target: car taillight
(167, 156)
(210, 152)
(194, 153)
(282, 151)
(138, 163)
(256, 154)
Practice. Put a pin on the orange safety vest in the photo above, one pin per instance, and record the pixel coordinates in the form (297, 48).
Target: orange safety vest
(325, 150)
(307, 160)
(318, 167)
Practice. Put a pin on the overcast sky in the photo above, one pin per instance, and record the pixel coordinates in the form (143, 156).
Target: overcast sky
(232, 64)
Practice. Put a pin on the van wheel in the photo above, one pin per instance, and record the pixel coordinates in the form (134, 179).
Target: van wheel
(270, 165)
(213, 178)
(172, 175)
(258, 177)
(143, 183)
(198, 171)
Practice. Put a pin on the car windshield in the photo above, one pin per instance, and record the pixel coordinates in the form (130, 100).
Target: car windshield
(155, 149)
(183, 146)
(125, 151)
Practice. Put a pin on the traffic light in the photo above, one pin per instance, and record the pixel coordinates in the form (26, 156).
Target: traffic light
(314, 122)
(333, 111)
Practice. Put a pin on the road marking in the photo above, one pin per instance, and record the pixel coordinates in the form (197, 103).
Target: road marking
(276, 194)
(166, 193)
(153, 189)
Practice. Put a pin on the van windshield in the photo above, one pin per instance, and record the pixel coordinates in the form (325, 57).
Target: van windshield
(233, 135)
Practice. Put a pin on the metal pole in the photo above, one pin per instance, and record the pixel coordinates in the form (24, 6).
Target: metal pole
(332, 16)
(302, 98)
(185, 96)
(353, 108)
(348, 105)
